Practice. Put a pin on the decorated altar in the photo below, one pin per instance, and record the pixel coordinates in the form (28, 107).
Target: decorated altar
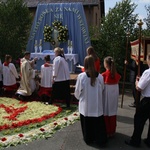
(72, 21)
(72, 60)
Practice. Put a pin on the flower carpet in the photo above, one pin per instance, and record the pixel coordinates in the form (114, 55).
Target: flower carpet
(22, 122)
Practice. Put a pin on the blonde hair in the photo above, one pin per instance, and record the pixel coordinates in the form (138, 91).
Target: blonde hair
(111, 64)
(59, 51)
(90, 68)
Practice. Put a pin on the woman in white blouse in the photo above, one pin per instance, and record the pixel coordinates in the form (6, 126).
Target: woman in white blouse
(89, 90)
(61, 77)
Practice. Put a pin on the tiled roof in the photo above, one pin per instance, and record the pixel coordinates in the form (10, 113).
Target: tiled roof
(34, 3)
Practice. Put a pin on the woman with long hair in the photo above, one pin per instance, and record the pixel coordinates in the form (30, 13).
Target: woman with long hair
(90, 51)
(88, 90)
(111, 79)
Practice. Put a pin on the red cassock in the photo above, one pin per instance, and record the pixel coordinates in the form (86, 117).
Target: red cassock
(9, 87)
(96, 64)
(108, 78)
(45, 90)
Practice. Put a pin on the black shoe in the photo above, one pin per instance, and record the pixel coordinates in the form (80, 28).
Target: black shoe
(131, 143)
(20, 97)
(147, 142)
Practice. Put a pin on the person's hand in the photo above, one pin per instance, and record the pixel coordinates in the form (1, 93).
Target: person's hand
(125, 62)
(35, 59)
(136, 83)
(137, 78)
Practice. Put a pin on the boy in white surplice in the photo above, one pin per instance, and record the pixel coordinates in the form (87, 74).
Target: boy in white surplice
(46, 81)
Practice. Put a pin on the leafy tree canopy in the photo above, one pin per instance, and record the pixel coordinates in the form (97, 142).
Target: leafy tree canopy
(146, 31)
(15, 22)
(112, 36)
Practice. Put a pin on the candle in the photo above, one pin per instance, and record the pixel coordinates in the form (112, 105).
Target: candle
(40, 41)
(71, 43)
(68, 42)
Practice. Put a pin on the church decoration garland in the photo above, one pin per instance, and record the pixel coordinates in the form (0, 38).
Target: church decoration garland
(62, 32)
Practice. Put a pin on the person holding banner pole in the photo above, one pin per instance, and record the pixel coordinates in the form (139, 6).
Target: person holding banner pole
(143, 112)
(133, 67)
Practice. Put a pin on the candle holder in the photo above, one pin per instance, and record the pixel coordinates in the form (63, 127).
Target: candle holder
(35, 46)
(40, 46)
(70, 47)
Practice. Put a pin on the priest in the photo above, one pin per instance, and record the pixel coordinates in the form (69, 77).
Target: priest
(27, 84)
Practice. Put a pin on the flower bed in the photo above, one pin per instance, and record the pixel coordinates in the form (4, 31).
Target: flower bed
(22, 122)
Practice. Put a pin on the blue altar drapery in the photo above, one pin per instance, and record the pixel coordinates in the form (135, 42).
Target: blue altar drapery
(70, 14)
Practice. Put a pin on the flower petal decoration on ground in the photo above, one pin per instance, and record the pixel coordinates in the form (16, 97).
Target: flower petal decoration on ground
(33, 131)
(15, 114)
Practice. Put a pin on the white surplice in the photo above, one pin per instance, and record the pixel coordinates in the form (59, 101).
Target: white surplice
(60, 69)
(9, 74)
(90, 97)
(110, 96)
(27, 84)
(46, 76)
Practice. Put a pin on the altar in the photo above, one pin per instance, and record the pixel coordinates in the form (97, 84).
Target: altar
(54, 25)
(72, 60)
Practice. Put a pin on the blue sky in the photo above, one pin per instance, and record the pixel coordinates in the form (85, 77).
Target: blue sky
(139, 10)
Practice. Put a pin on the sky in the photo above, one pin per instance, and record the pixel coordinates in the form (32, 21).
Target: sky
(139, 10)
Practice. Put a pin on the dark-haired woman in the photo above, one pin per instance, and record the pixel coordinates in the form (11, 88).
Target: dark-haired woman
(111, 94)
(88, 90)
(90, 51)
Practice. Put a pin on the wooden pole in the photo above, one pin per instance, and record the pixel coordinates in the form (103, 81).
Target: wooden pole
(140, 23)
(124, 74)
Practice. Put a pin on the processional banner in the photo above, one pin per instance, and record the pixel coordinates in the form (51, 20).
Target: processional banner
(135, 51)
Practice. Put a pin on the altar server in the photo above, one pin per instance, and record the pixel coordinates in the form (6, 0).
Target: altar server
(46, 81)
(27, 84)
(111, 94)
(89, 90)
(9, 75)
(90, 51)
(61, 77)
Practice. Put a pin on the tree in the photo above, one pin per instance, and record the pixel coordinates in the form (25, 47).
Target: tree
(115, 25)
(147, 20)
(146, 31)
(15, 22)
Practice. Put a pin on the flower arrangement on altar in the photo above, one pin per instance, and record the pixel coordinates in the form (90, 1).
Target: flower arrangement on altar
(55, 33)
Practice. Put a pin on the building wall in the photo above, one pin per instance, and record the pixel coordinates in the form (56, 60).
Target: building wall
(93, 15)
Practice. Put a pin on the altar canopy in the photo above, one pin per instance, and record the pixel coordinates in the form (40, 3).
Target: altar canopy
(71, 15)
